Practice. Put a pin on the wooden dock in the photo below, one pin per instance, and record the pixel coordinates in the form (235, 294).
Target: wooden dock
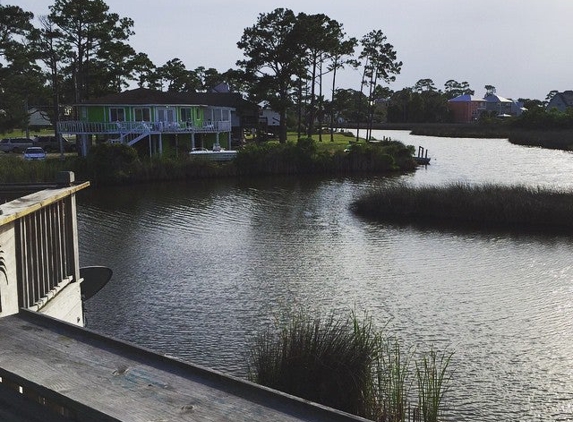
(72, 373)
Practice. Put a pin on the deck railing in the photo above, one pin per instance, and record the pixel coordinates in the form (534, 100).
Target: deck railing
(45, 255)
(122, 128)
(43, 244)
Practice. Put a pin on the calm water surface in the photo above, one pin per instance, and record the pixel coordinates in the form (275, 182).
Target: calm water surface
(200, 268)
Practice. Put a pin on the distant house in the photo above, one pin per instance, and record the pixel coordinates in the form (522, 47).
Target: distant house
(38, 118)
(466, 108)
(163, 119)
(561, 101)
(503, 107)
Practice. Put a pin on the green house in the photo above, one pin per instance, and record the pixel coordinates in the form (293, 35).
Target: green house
(156, 121)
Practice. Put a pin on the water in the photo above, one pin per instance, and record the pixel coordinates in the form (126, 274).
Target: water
(201, 267)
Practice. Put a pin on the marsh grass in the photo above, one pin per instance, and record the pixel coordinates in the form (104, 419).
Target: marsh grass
(433, 377)
(551, 139)
(344, 363)
(327, 361)
(485, 205)
(392, 377)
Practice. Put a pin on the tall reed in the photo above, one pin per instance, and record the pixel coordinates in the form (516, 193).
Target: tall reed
(433, 381)
(392, 374)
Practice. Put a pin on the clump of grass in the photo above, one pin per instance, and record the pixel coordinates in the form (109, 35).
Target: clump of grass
(348, 365)
(487, 205)
(326, 361)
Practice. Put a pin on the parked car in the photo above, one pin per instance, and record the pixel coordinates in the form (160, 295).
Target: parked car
(52, 144)
(15, 144)
(34, 153)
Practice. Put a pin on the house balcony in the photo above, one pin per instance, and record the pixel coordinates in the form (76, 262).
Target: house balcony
(140, 128)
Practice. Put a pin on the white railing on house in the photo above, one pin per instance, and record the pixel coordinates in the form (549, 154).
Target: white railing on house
(123, 128)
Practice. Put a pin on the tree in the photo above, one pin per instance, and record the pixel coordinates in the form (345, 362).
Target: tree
(21, 80)
(321, 37)
(425, 85)
(143, 71)
(176, 78)
(454, 89)
(340, 56)
(49, 54)
(379, 64)
(489, 90)
(274, 60)
(550, 95)
(90, 35)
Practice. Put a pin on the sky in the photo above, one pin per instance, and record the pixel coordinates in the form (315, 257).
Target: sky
(521, 47)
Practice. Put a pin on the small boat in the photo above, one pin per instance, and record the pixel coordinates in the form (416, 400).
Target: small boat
(217, 154)
(422, 157)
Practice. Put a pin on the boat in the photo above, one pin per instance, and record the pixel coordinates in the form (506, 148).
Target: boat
(216, 154)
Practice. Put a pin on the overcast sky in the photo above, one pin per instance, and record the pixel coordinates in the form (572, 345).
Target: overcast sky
(522, 47)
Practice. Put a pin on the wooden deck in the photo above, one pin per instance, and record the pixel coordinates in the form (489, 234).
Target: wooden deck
(85, 376)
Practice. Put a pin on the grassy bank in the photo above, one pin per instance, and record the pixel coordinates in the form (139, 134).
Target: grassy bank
(552, 139)
(561, 139)
(108, 164)
(450, 130)
(515, 207)
(346, 364)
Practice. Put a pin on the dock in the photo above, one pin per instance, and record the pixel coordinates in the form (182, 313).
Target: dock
(85, 376)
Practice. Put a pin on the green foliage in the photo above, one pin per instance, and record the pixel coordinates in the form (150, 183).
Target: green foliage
(113, 163)
(346, 364)
(541, 119)
(306, 156)
(307, 146)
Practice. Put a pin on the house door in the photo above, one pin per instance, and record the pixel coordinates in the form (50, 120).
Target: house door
(166, 115)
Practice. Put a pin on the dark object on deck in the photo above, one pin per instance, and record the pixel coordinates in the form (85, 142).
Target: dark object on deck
(95, 278)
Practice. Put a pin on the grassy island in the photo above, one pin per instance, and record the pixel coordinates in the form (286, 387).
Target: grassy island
(108, 164)
(488, 206)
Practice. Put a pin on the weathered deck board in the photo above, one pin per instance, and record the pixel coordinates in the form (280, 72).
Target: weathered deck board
(99, 378)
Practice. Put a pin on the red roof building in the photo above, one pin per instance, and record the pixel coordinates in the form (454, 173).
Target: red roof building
(466, 108)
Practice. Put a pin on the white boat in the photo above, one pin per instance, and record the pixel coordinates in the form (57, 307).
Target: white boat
(217, 154)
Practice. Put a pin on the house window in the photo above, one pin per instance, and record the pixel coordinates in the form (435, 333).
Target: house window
(116, 115)
(142, 114)
(186, 114)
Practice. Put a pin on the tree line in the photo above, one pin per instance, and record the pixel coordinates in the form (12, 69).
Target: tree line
(81, 51)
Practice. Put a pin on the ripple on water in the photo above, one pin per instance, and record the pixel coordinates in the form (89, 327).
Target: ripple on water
(199, 269)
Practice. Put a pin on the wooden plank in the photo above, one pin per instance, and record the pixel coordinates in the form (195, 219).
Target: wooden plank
(93, 374)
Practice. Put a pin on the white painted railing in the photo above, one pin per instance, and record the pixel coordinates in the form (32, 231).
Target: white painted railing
(122, 128)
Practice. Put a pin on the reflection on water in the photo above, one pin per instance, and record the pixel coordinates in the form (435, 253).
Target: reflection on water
(200, 268)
